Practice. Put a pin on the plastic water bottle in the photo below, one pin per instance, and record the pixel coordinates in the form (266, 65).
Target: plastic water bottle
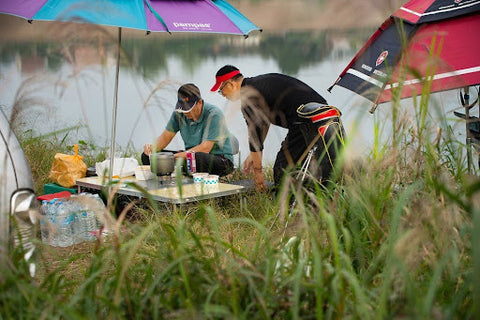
(76, 211)
(97, 198)
(90, 224)
(64, 225)
(76, 227)
(44, 228)
(82, 224)
(51, 222)
(97, 212)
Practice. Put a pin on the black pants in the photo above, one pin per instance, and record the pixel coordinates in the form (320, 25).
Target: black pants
(206, 162)
(296, 144)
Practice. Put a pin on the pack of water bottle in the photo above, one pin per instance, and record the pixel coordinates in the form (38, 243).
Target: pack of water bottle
(66, 222)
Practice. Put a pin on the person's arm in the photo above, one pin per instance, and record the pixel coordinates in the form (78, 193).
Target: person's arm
(206, 146)
(253, 164)
(162, 141)
(214, 129)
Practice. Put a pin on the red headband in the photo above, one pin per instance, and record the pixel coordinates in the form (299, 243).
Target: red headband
(225, 77)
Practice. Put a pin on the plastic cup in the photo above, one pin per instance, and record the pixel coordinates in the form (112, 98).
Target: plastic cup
(211, 182)
(199, 177)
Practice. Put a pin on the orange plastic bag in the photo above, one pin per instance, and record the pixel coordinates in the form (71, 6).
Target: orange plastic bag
(66, 169)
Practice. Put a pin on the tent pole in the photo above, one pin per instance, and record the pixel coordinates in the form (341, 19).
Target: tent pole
(114, 113)
(468, 141)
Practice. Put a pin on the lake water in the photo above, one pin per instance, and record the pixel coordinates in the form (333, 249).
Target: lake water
(71, 83)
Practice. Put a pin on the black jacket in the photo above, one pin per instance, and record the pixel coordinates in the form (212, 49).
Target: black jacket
(273, 98)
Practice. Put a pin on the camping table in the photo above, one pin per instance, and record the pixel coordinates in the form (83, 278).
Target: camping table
(166, 190)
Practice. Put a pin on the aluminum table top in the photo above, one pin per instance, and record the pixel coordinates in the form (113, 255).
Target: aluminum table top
(166, 189)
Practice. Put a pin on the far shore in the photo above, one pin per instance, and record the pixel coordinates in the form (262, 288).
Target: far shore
(273, 16)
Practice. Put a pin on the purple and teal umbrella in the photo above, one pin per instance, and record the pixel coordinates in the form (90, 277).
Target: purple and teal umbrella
(200, 16)
(204, 16)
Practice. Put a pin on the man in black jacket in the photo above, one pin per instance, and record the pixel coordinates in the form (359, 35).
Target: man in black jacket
(287, 102)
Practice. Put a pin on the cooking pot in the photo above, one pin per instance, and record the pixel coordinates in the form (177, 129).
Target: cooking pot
(162, 163)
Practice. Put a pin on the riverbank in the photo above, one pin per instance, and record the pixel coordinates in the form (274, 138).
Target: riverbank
(288, 15)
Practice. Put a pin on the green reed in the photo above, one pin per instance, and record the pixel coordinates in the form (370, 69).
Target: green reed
(396, 235)
(344, 256)
(379, 244)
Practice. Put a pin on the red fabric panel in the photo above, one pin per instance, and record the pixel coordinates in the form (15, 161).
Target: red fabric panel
(59, 195)
(455, 61)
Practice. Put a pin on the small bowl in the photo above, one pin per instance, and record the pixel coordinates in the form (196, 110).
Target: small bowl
(199, 177)
(211, 179)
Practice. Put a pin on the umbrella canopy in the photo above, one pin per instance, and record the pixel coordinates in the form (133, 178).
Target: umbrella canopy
(423, 40)
(201, 16)
(206, 16)
(421, 11)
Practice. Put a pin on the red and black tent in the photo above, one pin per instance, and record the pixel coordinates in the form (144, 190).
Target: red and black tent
(435, 40)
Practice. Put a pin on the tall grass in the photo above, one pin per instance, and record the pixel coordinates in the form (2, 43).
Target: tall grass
(396, 237)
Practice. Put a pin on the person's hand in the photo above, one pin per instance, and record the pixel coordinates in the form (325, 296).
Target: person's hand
(248, 165)
(147, 149)
(181, 154)
(258, 178)
(259, 181)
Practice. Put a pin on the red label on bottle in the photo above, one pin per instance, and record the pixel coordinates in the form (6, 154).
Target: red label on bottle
(191, 163)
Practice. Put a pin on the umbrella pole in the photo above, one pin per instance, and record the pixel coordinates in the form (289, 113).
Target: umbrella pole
(468, 141)
(114, 113)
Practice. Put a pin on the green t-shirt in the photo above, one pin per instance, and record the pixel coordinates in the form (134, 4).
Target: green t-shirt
(211, 126)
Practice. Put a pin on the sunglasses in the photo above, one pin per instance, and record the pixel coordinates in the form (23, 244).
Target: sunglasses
(223, 87)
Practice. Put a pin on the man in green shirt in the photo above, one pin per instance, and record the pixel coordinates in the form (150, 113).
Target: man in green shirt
(203, 130)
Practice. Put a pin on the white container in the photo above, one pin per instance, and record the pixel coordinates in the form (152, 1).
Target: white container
(211, 182)
(199, 177)
(143, 173)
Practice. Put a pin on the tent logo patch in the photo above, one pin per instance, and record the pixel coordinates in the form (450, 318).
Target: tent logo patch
(381, 58)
